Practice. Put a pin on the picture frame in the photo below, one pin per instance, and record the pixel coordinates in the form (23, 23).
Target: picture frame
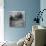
(17, 18)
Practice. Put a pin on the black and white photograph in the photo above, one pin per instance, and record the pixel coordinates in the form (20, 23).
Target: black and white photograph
(17, 18)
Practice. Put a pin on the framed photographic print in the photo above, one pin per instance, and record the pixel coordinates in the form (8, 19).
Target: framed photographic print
(17, 18)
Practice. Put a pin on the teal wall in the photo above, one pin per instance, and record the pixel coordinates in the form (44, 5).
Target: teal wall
(30, 7)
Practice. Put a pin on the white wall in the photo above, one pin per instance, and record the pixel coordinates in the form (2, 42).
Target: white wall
(1, 21)
(43, 6)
